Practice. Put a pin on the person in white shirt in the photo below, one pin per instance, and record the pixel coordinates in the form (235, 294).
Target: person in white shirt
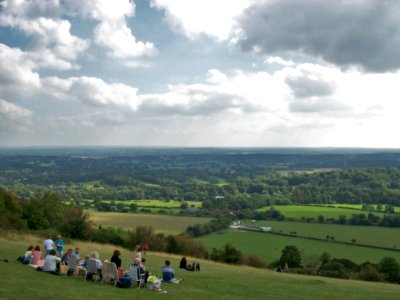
(50, 263)
(48, 244)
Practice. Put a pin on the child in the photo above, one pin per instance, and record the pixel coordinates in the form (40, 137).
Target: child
(155, 283)
(59, 245)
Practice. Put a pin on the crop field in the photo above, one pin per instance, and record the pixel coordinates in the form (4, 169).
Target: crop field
(167, 224)
(214, 281)
(269, 246)
(365, 235)
(312, 211)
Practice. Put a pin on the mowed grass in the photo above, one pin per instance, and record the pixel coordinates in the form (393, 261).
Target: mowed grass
(359, 206)
(269, 246)
(167, 224)
(215, 281)
(366, 235)
(312, 211)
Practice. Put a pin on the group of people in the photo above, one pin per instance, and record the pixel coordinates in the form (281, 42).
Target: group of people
(54, 259)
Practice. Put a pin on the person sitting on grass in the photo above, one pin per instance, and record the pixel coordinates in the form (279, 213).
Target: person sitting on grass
(27, 258)
(155, 283)
(168, 274)
(66, 257)
(37, 257)
(51, 263)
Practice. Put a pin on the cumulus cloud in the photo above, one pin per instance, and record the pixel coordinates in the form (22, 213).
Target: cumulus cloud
(53, 46)
(12, 117)
(194, 18)
(92, 91)
(16, 70)
(318, 106)
(112, 32)
(345, 32)
(308, 80)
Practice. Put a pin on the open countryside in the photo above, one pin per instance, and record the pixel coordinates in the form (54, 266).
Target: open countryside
(161, 223)
(269, 246)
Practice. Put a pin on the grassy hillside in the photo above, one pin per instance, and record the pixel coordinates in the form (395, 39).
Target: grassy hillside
(215, 281)
(366, 235)
(166, 224)
(269, 247)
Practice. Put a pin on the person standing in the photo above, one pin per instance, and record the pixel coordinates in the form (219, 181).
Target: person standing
(48, 245)
(59, 245)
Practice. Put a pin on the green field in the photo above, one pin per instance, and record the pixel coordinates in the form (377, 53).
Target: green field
(215, 281)
(312, 211)
(366, 235)
(167, 224)
(269, 246)
(358, 206)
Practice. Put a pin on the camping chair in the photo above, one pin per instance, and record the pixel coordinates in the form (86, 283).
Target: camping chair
(109, 272)
(72, 265)
(135, 275)
(92, 269)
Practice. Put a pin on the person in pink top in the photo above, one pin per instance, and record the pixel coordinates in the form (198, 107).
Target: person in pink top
(37, 257)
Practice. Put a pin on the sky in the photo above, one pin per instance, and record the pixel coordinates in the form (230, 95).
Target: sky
(200, 73)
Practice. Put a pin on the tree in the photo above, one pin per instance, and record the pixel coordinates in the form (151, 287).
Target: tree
(75, 223)
(391, 267)
(291, 256)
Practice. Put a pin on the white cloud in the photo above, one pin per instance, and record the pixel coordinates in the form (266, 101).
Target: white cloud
(279, 61)
(16, 70)
(92, 91)
(13, 118)
(53, 46)
(209, 17)
(112, 32)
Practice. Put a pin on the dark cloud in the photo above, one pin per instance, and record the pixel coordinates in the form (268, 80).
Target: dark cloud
(305, 87)
(344, 32)
(318, 106)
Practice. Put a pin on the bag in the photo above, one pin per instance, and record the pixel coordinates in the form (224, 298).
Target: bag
(124, 282)
(63, 269)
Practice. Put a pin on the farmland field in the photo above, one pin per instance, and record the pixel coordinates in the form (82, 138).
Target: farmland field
(357, 206)
(366, 235)
(269, 246)
(312, 211)
(161, 223)
(215, 281)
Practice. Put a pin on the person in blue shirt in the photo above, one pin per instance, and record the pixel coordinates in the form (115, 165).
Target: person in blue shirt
(59, 245)
(168, 274)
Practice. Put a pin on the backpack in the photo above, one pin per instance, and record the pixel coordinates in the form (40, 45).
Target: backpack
(124, 282)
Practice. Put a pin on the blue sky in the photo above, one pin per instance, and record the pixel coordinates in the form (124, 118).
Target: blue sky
(310, 73)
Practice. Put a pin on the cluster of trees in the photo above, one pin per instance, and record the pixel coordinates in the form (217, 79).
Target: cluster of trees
(207, 228)
(42, 213)
(388, 269)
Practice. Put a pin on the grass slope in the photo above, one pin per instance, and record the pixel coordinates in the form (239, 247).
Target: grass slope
(215, 281)
(166, 224)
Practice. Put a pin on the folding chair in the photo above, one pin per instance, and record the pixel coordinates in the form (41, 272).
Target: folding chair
(92, 269)
(109, 272)
(135, 275)
(72, 265)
